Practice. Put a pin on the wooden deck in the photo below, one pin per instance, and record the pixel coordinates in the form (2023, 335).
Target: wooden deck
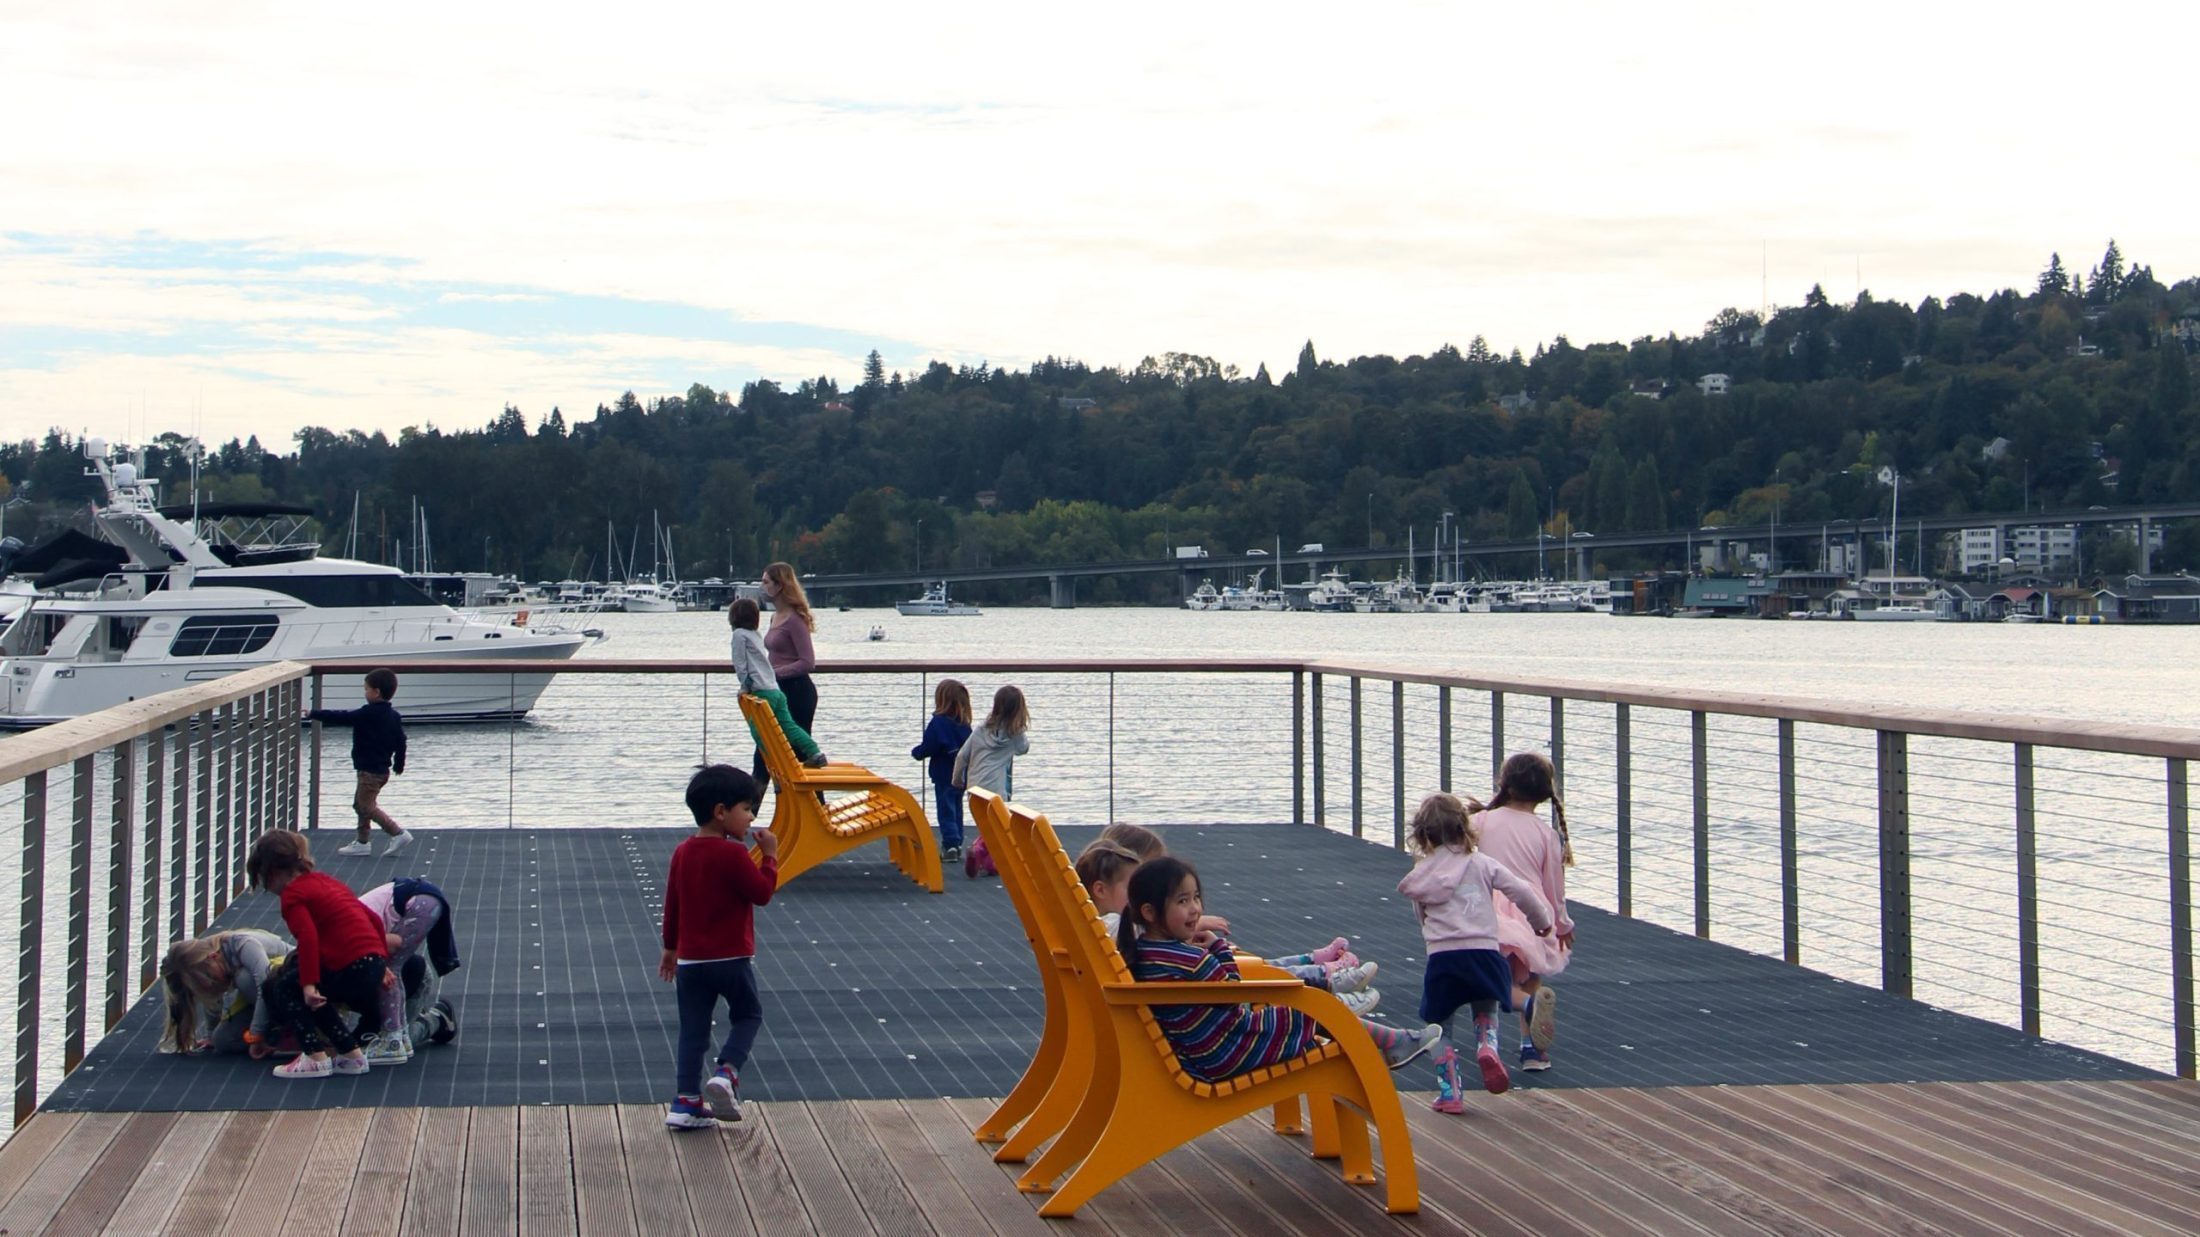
(2015, 1158)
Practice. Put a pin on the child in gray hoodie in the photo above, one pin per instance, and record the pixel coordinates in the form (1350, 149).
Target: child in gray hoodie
(988, 756)
(753, 666)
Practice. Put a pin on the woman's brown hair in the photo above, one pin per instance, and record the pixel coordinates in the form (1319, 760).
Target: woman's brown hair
(1010, 715)
(790, 595)
(1527, 779)
(275, 853)
(952, 699)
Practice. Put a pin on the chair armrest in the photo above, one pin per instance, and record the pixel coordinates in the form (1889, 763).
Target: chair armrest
(840, 775)
(1212, 992)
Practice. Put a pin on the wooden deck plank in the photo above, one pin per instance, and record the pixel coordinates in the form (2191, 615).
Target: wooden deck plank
(817, 1178)
(1247, 1206)
(1960, 1160)
(59, 1174)
(946, 1208)
(605, 1209)
(489, 1193)
(2055, 1156)
(28, 1146)
(1566, 1203)
(1693, 1195)
(761, 1168)
(434, 1191)
(714, 1193)
(1330, 1203)
(101, 1192)
(213, 1187)
(1911, 1195)
(323, 1195)
(653, 1172)
(2166, 1128)
(2085, 1122)
(992, 1191)
(160, 1184)
(274, 1174)
(376, 1205)
(1122, 1210)
(1800, 1187)
(879, 1187)
(547, 1173)
(2184, 1090)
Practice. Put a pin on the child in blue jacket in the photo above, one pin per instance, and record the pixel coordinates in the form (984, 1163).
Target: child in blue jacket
(944, 736)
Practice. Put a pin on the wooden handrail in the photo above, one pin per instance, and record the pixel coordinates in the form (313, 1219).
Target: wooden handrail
(50, 746)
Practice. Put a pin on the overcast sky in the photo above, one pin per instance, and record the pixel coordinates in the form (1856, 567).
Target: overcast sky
(253, 217)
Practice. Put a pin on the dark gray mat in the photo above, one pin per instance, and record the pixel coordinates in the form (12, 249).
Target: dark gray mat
(876, 989)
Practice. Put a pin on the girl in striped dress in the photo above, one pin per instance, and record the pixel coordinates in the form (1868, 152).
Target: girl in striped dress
(1161, 938)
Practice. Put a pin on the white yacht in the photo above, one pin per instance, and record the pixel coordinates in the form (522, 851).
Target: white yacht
(188, 593)
(644, 597)
(1896, 612)
(1333, 593)
(934, 604)
(1204, 597)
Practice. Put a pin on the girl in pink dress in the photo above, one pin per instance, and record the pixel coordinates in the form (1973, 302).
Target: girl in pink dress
(1539, 853)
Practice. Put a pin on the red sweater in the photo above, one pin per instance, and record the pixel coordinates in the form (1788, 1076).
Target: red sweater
(711, 898)
(333, 928)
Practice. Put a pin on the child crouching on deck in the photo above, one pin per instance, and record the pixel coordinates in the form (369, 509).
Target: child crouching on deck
(341, 957)
(711, 898)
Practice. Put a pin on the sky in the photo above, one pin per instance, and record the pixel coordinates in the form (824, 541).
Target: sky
(244, 218)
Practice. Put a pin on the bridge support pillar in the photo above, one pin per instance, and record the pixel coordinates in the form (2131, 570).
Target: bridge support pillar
(2146, 546)
(1062, 592)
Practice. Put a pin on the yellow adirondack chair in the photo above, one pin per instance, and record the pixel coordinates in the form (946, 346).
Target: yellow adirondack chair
(813, 830)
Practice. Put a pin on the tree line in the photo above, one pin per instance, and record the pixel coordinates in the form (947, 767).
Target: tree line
(2076, 392)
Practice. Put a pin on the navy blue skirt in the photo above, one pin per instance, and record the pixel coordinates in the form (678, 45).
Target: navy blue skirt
(1460, 977)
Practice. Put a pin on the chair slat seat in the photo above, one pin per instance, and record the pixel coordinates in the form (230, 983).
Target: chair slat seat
(814, 828)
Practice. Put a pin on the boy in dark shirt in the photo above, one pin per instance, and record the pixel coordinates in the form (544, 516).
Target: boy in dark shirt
(377, 751)
(711, 898)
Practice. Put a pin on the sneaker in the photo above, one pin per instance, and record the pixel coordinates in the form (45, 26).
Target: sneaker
(1352, 978)
(816, 761)
(951, 854)
(1334, 953)
(1494, 1076)
(1409, 1045)
(398, 843)
(448, 1016)
(1361, 1003)
(393, 1048)
(688, 1113)
(1543, 1018)
(1448, 1087)
(356, 1064)
(306, 1067)
(356, 848)
(1534, 1060)
(723, 1093)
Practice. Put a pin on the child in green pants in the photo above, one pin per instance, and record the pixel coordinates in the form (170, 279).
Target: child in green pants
(754, 668)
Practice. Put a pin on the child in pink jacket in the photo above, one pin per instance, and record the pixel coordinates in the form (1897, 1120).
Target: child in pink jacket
(1515, 836)
(1451, 888)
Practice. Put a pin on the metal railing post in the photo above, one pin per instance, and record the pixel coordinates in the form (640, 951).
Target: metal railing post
(1111, 747)
(293, 741)
(1319, 744)
(179, 826)
(204, 825)
(1298, 747)
(1357, 758)
(2028, 896)
(511, 749)
(156, 745)
(30, 922)
(1398, 764)
(1791, 907)
(122, 831)
(2180, 917)
(225, 824)
(1699, 742)
(1894, 862)
(1443, 738)
(73, 993)
(1558, 745)
(1497, 735)
(313, 763)
(1623, 793)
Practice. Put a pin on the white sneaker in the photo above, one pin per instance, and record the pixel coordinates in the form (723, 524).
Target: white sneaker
(1361, 1003)
(1352, 978)
(356, 848)
(1411, 1044)
(393, 1048)
(398, 843)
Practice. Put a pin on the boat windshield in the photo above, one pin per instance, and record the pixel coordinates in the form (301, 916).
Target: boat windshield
(333, 591)
(222, 635)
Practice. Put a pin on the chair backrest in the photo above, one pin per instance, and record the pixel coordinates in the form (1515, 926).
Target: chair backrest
(779, 758)
(1082, 931)
(990, 813)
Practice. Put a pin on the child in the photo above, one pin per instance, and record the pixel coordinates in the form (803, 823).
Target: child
(1333, 968)
(944, 737)
(341, 956)
(1161, 938)
(1515, 836)
(988, 756)
(1451, 888)
(753, 665)
(215, 988)
(377, 751)
(711, 898)
(413, 914)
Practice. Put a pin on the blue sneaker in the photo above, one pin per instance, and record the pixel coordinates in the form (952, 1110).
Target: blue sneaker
(687, 1113)
(1534, 1059)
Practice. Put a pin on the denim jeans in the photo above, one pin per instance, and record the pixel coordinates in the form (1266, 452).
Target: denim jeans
(698, 987)
(950, 817)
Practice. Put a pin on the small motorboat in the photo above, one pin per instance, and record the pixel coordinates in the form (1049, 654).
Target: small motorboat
(878, 632)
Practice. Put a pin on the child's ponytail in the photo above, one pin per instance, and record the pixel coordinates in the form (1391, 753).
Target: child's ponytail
(1558, 822)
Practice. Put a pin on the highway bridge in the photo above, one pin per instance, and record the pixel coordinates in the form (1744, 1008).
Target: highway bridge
(1062, 577)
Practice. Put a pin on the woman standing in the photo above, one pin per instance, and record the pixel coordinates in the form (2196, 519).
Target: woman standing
(792, 653)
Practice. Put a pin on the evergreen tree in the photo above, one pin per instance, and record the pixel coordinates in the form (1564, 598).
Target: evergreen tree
(874, 371)
(1645, 497)
(1478, 352)
(1607, 508)
(2054, 281)
(2172, 380)
(2108, 278)
(1307, 364)
(1520, 510)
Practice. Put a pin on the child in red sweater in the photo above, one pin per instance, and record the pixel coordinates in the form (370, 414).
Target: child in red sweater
(711, 898)
(341, 957)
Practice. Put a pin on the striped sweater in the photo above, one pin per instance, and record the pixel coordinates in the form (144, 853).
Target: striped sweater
(1218, 1042)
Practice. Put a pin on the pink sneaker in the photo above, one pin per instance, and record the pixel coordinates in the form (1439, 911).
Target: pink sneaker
(1494, 1076)
(1336, 952)
(1450, 1104)
(305, 1067)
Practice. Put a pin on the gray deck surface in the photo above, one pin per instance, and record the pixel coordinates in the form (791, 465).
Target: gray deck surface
(875, 989)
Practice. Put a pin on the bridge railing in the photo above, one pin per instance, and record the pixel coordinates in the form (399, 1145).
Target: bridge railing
(2035, 873)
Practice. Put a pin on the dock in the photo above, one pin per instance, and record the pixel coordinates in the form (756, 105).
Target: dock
(1698, 1088)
